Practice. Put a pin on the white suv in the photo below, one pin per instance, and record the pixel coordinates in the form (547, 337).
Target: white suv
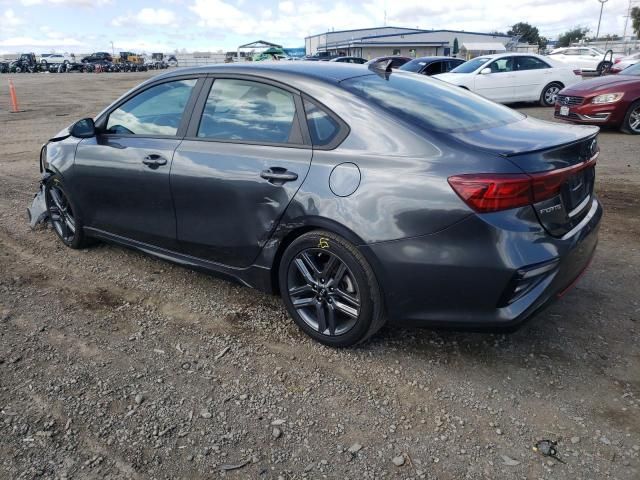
(56, 58)
(582, 58)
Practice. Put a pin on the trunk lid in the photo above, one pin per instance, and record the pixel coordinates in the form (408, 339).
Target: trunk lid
(554, 155)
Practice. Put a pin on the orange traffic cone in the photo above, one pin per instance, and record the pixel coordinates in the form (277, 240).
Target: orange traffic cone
(14, 98)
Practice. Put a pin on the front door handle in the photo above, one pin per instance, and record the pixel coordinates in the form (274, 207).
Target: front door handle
(154, 160)
(278, 175)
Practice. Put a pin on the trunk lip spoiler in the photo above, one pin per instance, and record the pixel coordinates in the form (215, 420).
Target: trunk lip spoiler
(551, 147)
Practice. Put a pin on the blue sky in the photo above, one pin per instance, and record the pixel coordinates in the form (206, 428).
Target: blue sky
(209, 25)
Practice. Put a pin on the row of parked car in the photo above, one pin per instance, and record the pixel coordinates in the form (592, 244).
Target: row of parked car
(95, 62)
(612, 99)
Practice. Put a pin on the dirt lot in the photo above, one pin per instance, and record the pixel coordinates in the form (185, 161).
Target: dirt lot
(117, 365)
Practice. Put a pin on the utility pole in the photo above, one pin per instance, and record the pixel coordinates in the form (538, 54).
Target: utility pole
(113, 52)
(602, 2)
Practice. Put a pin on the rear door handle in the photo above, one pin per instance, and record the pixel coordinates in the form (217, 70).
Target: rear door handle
(154, 160)
(278, 175)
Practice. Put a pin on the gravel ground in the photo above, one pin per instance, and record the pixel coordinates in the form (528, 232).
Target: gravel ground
(114, 364)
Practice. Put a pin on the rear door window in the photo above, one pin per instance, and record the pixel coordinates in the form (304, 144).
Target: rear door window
(244, 110)
(529, 63)
(155, 111)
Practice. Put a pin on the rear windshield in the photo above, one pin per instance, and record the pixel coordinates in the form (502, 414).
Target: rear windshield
(429, 103)
(471, 65)
(414, 65)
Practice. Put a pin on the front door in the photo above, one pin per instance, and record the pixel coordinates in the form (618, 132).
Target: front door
(122, 175)
(239, 167)
(499, 85)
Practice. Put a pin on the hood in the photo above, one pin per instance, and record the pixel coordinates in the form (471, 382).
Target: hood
(607, 82)
(527, 135)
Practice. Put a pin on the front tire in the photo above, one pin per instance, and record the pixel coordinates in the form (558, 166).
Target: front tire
(549, 94)
(330, 290)
(631, 122)
(63, 215)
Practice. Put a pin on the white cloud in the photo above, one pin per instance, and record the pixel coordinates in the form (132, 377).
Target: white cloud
(9, 19)
(70, 3)
(146, 16)
(286, 7)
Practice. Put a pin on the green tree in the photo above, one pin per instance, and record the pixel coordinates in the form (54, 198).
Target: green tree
(527, 33)
(456, 47)
(543, 42)
(635, 20)
(573, 35)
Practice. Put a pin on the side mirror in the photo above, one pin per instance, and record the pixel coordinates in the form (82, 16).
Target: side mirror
(84, 128)
(485, 71)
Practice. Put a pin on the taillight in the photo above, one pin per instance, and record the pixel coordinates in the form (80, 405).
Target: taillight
(489, 192)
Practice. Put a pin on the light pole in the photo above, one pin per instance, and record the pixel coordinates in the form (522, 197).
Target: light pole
(602, 2)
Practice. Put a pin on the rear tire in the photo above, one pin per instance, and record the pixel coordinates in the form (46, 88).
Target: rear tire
(549, 94)
(330, 290)
(631, 122)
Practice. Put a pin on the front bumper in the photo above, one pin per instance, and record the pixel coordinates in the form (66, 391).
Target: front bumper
(460, 277)
(608, 114)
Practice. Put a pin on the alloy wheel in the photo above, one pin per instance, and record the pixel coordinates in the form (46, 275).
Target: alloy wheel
(551, 94)
(61, 214)
(634, 120)
(323, 291)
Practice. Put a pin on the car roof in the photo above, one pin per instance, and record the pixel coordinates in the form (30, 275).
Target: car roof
(333, 72)
(431, 59)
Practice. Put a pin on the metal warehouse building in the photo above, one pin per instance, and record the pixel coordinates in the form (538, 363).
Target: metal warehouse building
(408, 42)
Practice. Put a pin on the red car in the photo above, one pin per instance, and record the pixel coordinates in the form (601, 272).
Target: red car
(612, 100)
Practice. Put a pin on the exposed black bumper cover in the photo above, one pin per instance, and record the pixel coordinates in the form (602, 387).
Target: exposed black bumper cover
(457, 278)
(37, 212)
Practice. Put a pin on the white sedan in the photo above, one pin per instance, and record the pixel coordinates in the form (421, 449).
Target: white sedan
(584, 58)
(513, 77)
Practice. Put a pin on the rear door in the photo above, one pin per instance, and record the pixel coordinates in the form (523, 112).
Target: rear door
(531, 74)
(499, 85)
(121, 176)
(243, 160)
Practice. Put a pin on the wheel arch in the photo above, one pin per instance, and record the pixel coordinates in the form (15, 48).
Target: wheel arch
(302, 227)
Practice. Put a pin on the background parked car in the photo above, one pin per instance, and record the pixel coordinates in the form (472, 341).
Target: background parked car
(513, 77)
(26, 62)
(586, 59)
(612, 100)
(396, 61)
(432, 65)
(97, 56)
(357, 60)
(56, 59)
(621, 63)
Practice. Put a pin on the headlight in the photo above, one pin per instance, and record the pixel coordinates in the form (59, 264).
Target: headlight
(607, 98)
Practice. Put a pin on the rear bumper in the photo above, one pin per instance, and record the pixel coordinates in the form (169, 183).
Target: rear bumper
(463, 277)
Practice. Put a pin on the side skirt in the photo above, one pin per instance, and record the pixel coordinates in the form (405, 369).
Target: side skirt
(253, 277)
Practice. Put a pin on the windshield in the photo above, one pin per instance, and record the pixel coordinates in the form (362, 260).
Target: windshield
(632, 70)
(598, 50)
(471, 65)
(429, 103)
(414, 65)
